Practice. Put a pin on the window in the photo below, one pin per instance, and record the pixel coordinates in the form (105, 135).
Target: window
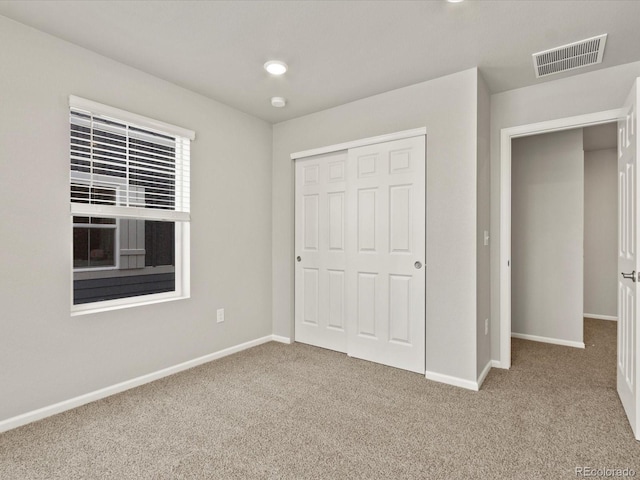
(129, 190)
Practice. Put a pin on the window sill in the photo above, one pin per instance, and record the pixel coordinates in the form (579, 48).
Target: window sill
(109, 305)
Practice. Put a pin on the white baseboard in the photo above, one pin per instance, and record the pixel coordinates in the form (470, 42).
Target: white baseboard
(600, 317)
(75, 402)
(555, 341)
(497, 364)
(278, 338)
(455, 381)
(483, 374)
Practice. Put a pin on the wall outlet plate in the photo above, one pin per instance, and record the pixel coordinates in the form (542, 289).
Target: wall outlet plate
(486, 326)
(220, 313)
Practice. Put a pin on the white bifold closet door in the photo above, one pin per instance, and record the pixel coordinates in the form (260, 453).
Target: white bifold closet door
(360, 250)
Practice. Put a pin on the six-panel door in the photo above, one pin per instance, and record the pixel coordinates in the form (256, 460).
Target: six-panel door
(386, 253)
(320, 251)
(360, 249)
(628, 260)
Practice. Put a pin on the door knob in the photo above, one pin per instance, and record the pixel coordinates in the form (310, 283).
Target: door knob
(630, 276)
(299, 258)
(418, 265)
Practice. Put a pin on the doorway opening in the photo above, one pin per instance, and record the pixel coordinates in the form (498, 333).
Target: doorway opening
(505, 271)
(564, 237)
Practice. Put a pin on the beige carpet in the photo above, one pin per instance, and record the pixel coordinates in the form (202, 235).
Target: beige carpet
(297, 412)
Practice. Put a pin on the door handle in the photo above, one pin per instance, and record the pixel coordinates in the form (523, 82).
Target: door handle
(418, 265)
(631, 276)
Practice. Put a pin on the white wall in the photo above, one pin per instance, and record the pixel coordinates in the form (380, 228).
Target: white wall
(575, 95)
(601, 232)
(447, 106)
(484, 199)
(47, 356)
(547, 225)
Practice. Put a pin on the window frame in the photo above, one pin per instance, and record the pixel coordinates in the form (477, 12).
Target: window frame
(180, 216)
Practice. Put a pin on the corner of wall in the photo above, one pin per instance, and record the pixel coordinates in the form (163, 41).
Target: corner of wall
(483, 264)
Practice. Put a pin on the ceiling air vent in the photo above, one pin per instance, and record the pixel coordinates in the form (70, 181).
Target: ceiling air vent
(568, 57)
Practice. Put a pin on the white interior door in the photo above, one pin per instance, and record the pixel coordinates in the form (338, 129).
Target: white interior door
(386, 253)
(628, 265)
(320, 202)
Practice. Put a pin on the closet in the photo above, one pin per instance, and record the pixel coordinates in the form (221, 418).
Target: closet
(360, 250)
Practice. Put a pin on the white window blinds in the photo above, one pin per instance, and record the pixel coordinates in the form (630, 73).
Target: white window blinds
(143, 162)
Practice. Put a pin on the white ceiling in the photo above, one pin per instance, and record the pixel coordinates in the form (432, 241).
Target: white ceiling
(337, 51)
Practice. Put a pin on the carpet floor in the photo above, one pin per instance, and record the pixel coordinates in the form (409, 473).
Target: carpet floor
(300, 412)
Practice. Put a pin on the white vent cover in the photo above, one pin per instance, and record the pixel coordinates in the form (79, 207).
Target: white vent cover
(569, 57)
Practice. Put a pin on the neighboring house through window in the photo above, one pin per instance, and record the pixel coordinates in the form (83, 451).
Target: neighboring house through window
(129, 186)
(94, 238)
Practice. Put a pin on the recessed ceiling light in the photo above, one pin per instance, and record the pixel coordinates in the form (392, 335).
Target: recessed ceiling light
(455, 1)
(278, 102)
(275, 67)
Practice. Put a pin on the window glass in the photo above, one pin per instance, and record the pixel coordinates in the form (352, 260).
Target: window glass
(159, 243)
(94, 247)
(148, 267)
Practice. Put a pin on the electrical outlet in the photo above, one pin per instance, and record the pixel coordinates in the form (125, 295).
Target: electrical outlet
(220, 313)
(486, 238)
(486, 326)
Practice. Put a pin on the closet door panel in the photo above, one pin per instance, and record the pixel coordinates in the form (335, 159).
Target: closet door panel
(385, 253)
(320, 264)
